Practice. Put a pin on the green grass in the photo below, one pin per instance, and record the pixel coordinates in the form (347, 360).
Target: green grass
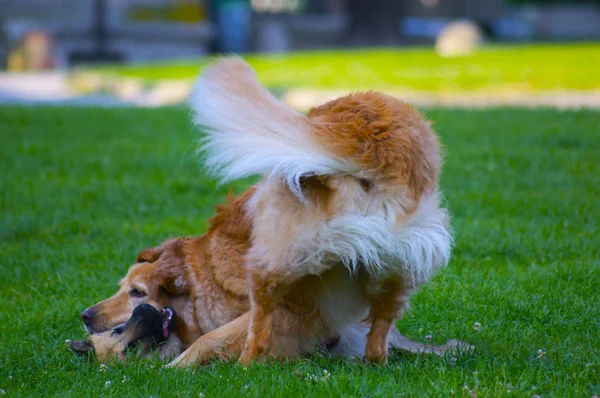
(82, 190)
(494, 68)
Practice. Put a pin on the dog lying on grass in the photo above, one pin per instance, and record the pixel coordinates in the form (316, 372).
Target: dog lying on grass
(147, 332)
(197, 293)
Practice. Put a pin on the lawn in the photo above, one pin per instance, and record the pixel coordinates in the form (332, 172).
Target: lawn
(493, 69)
(83, 190)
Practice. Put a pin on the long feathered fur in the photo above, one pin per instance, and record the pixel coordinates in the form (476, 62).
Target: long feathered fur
(248, 131)
(417, 247)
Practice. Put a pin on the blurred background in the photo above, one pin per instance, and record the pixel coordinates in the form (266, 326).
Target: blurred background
(126, 50)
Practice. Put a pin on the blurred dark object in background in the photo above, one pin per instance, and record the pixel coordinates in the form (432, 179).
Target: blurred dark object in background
(374, 22)
(4, 43)
(100, 52)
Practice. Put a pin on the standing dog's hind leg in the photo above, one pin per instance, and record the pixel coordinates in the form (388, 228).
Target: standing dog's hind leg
(387, 305)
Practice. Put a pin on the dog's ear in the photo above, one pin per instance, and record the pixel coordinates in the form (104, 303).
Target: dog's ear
(171, 274)
(148, 255)
(81, 347)
(174, 285)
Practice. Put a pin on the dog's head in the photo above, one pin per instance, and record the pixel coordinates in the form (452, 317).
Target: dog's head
(157, 278)
(144, 331)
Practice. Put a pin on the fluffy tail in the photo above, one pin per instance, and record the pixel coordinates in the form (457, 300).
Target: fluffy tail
(248, 131)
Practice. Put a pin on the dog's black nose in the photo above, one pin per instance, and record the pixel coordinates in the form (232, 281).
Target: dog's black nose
(88, 315)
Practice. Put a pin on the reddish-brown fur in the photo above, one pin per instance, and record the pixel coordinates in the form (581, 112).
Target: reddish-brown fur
(392, 142)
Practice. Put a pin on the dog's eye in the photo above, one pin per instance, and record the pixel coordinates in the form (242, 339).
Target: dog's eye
(116, 331)
(137, 293)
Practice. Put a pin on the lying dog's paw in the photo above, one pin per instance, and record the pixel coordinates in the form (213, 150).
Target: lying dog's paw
(188, 358)
(197, 354)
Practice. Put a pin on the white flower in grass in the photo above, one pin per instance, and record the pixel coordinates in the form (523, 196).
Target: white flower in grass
(428, 338)
(201, 395)
(103, 367)
(467, 390)
(125, 379)
(246, 386)
(316, 378)
(2, 392)
(108, 383)
(477, 326)
(541, 354)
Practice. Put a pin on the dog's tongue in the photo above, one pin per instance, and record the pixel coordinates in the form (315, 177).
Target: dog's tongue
(167, 316)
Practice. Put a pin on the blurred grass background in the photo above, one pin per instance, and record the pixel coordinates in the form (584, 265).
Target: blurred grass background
(536, 67)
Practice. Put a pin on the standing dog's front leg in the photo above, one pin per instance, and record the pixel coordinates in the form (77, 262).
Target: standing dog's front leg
(266, 290)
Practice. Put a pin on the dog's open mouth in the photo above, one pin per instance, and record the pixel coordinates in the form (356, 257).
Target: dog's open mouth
(167, 317)
(144, 331)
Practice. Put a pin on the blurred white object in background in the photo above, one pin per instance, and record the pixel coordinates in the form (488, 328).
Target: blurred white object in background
(459, 38)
